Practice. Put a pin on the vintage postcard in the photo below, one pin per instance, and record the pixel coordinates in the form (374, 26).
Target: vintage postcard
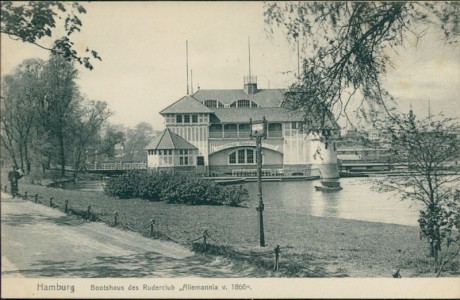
(230, 149)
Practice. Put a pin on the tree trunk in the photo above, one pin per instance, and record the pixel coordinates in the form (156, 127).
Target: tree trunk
(62, 153)
(28, 163)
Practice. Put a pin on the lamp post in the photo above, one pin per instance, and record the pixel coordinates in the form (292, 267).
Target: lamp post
(259, 131)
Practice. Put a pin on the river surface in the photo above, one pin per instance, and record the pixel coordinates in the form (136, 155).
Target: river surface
(358, 200)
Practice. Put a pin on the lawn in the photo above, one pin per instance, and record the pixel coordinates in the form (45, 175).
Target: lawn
(310, 246)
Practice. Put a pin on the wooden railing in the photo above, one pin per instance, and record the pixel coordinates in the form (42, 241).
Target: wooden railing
(112, 166)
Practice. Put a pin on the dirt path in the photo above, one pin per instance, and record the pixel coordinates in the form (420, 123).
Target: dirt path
(38, 241)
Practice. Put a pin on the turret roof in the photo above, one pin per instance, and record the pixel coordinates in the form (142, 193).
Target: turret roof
(186, 104)
(169, 140)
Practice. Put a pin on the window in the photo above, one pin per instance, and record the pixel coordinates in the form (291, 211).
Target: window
(232, 158)
(200, 160)
(178, 118)
(230, 131)
(186, 118)
(241, 157)
(213, 104)
(244, 130)
(275, 130)
(185, 157)
(250, 157)
(165, 157)
(244, 103)
(194, 118)
(215, 131)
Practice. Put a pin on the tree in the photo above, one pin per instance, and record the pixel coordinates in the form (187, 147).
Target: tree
(86, 129)
(431, 150)
(136, 140)
(22, 92)
(60, 106)
(31, 21)
(350, 45)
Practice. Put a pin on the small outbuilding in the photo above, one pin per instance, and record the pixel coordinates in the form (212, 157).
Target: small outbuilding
(169, 150)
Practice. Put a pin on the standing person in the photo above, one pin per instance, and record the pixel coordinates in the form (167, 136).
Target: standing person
(13, 176)
(19, 174)
(12, 180)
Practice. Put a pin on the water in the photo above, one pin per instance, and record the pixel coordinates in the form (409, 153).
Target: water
(356, 201)
(84, 186)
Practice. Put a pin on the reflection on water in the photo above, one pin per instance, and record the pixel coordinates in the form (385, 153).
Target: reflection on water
(356, 201)
(84, 186)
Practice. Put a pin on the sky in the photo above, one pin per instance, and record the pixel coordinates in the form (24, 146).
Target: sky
(142, 45)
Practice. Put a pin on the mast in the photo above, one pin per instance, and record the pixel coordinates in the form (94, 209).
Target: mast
(191, 80)
(186, 62)
(249, 49)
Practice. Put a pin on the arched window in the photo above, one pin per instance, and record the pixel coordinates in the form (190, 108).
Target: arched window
(213, 104)
(243, 156)
(244, 103)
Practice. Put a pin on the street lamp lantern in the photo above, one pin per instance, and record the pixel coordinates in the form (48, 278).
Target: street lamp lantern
(259, 131)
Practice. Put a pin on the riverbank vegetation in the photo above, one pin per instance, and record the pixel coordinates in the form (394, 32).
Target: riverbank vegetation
(430, 148)
(310, 246)
(174, 188)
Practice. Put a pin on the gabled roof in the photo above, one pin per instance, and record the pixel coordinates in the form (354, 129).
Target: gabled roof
(186, 104)
(169, 140)
(263, 97)
(242, 115)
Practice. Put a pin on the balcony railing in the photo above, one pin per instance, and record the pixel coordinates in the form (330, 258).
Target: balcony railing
(275, 134)
(228, 135)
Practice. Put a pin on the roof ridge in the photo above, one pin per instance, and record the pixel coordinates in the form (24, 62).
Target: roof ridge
(172, 140)
(173, 103)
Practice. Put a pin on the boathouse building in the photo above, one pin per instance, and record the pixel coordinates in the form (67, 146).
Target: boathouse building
(209, 131)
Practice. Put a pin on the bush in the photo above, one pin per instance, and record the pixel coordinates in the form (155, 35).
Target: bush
(174, 188)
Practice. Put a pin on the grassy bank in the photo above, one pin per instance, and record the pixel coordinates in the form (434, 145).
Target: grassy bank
(310, 246)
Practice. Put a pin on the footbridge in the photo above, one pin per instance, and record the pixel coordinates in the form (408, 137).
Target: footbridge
(115, 167)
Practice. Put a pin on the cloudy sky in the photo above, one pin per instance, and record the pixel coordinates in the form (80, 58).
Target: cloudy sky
(142, 45)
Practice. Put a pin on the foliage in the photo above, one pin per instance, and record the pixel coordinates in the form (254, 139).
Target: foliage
(136, 141)
(91, 115)
(20, 92)
(348, 46)
(46, 121)
(174, 188)
(33, 20)
(430, 148)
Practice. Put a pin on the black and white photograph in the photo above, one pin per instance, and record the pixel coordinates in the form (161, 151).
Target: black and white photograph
(175, 149)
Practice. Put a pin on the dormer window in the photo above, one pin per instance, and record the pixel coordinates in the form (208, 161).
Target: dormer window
(244, 103)
(213, 104)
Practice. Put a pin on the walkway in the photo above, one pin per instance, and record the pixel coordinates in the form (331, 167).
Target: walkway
(38, 241)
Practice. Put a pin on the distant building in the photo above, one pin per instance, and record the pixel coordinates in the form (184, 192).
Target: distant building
(209, 131)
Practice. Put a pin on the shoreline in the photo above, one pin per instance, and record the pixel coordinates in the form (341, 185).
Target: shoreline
(310, 246)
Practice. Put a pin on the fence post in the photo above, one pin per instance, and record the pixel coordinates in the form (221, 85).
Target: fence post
(396, 273)
(36, 198)
(51, 201)
(277, 256)
(205, 235)
(115, 216)
(66, 203)
(25, 195)
(152, 222)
